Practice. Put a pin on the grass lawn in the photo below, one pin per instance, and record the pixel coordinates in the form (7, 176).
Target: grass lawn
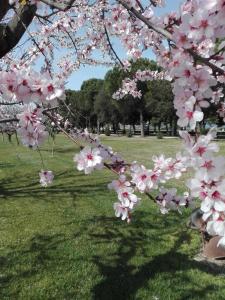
(64, 242)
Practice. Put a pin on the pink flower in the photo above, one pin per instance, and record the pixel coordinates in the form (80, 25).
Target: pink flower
(88, 159)
(188, 116)
(46, 178)
(121, 211)
(127, 197)
(144, 179)
(119, 184)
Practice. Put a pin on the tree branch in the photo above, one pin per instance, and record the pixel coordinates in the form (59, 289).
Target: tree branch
(11, 33)
(168, 36)
(10, 103)
(4, 7)
(17, 120)
(9, 120)
(59, 5)
(109, 42)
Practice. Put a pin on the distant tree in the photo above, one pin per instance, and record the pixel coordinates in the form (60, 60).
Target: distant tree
(132, 110)
(72, 108)
(106, 110)
(78, 107)
(89, 90)
(93, 105)
(159, 104)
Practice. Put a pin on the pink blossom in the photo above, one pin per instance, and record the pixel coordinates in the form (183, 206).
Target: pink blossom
(88, 160)
(46, 178)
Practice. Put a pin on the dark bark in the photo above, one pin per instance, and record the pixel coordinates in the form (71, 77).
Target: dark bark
(142, 124)
(175, 127)
(12, 32)
(4, 7)
(167, 129)
(159, 126)
(58, 5)
(98, 126)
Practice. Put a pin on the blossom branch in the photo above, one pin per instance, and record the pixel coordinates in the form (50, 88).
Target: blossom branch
(168, 36)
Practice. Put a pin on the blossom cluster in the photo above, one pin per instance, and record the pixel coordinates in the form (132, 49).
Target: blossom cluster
(29, 86)
(169, 200)
(196, 69)
(198, 26)
(46, 178)
(127, 199)
(143, 180)
(208, 183)
(129, 86)
(133, 178)
(94, 157)
(31, 130)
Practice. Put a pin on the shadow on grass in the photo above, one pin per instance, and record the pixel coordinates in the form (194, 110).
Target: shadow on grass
(18, 265)
(128, 258)
(123, 275)
(76, 184)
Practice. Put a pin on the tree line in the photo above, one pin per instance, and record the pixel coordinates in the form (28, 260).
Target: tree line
(93, 106)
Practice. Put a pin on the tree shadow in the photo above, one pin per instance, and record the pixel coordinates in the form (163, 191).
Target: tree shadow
(22, 264)
(123, 276)
(75, 184)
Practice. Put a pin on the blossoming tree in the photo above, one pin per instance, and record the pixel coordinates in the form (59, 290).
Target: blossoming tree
(189, 46)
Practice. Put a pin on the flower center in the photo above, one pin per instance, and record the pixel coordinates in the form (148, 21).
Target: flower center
(90, 156)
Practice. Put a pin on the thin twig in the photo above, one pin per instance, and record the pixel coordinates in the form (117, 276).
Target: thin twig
(109, 42)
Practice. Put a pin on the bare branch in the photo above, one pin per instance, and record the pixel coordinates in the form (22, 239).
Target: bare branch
(17, 120)
(36, 44)
(9, 120)
(10, 103)
(109, 42)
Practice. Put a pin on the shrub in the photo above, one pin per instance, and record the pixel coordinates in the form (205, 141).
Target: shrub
(107, 131)
(159, 135)
(129, 134)
(123, 131)
(204, 131)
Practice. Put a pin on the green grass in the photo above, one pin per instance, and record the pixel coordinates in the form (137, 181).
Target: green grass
(64, 242)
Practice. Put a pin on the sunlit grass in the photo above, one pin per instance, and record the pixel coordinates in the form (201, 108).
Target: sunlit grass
(64, 242)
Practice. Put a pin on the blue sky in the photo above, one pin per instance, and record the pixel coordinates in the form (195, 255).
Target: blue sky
(87, 72)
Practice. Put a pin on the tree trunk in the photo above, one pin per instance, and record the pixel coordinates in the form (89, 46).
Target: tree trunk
(148, 129)
(9, 137)
(12, 32)
(142, 124)
(171, 126)
(98, 126)
(167, 129)
(159, 126)
(17, 139)
(174, 127)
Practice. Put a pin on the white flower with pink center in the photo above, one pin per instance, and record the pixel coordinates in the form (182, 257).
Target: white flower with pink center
(144, 179)
(88, 159)
(211, 168)
(46, 178)
(127, 197)
(119, 184)
(188, 115)
(121, 211)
